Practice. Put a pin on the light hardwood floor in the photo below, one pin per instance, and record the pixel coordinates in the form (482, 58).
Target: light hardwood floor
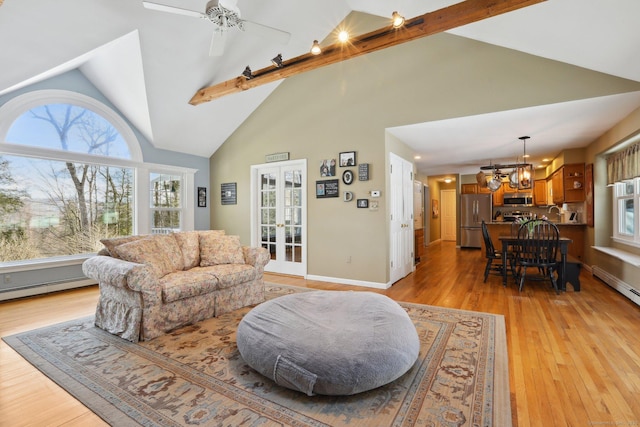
(574, 358)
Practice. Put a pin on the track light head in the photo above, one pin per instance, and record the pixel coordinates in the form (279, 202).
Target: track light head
(277, 61)
(247, 73)
(315, 48)
(397, 20)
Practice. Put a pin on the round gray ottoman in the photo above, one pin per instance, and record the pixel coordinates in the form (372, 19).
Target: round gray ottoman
(329, 342)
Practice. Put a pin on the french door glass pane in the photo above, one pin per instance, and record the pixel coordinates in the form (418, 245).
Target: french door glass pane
(268, 213)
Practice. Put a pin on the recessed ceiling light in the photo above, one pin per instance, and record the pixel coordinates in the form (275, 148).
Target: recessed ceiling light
(447, 180)
(546, 160)
(343, 36)
(417, 157)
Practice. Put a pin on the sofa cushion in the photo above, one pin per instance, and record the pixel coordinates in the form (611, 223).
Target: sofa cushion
(146, 251)
(112, 242)
(189, 242)
(169, 245)
(230, 274)
(185, 284)
(220, 249)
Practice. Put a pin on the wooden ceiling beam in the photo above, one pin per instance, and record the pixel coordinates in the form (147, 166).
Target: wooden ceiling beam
(425, 25)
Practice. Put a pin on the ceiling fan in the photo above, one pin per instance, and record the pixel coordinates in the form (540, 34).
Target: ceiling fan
(224, 14)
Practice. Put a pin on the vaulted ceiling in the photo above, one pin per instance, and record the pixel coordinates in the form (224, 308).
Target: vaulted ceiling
(149, 64)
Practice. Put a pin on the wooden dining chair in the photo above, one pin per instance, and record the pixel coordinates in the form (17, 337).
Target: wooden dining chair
(494, 257)
(537, 246)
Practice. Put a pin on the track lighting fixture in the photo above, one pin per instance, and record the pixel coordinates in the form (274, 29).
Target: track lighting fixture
(397, 20)
(247, 73)
(277, 61)
(315, 48)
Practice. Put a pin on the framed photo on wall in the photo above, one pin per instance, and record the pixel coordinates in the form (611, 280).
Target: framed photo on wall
(347, 158)
(202, 197)
(328, 167)
(327, 188)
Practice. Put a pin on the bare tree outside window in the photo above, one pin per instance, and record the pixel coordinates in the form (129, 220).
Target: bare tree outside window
(65, 207)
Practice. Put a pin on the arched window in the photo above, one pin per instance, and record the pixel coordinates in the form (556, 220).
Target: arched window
(71, 173)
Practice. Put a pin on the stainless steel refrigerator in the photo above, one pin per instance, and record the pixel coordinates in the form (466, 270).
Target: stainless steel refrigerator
(473, 209)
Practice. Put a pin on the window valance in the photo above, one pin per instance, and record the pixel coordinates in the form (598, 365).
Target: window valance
(624, 165)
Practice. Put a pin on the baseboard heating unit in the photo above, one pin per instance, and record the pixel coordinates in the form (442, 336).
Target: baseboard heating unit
(620, 285)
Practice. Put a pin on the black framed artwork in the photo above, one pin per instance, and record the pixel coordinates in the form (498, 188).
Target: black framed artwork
(327, 188)
(347, 177)
(202, 197)
(347, 158)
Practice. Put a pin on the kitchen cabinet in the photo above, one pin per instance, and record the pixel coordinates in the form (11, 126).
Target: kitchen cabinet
(557, 183)
(568, 184)
(483, 190)
(573, 175)
(469, 189)
(540, 192)
(418, 244)
(498, 195)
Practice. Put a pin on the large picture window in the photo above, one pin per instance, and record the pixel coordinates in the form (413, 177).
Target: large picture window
(71, 174)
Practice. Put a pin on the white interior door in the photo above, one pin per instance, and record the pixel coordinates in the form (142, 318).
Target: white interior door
(401, 217)
(279, 215)
(448, 211)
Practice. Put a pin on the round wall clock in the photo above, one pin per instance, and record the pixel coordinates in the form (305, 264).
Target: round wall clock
(347, 177)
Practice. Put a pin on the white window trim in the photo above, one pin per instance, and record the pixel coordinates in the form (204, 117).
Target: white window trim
(623, 238)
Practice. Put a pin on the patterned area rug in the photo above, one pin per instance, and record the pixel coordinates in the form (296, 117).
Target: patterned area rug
(195, 376)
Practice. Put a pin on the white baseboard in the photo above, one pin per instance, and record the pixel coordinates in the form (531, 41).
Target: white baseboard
(349, 282)
(45, 289)
(621, 286)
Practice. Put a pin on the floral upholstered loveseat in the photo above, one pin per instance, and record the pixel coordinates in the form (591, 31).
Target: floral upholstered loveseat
(151, 284)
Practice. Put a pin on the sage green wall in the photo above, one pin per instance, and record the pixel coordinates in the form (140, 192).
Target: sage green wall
(347, 106)
(600, 234)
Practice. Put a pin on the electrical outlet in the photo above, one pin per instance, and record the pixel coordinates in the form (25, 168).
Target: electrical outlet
(375, 193)
(349, 259)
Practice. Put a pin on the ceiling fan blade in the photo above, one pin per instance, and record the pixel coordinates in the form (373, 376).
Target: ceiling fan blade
(171, 9)
(218, 40)
(273, 34)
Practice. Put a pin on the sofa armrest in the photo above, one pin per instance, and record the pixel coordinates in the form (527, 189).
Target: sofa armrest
(107, 270)
(256, 256)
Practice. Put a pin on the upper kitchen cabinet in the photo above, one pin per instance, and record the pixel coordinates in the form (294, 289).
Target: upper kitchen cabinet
(568, 184)
(557, 184)
(573, 182)
(498, 195)
(469, 189)
(540, 192)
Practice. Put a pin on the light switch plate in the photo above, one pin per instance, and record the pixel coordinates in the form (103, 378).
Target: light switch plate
(375, 193)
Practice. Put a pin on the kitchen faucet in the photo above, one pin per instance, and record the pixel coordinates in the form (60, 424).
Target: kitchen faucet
(559, 211)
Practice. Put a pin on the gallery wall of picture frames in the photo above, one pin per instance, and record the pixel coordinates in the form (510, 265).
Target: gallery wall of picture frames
(330, 188)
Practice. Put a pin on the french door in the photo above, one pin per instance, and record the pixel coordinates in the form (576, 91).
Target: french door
(279, 215)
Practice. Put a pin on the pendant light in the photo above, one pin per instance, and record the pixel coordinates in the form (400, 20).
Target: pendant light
(525, 170)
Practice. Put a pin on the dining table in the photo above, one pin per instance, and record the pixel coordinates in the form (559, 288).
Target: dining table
(563, 243)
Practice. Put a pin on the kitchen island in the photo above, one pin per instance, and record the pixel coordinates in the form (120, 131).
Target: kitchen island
(573, 231)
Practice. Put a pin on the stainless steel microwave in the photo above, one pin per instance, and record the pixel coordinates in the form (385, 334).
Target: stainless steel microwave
(518, 199)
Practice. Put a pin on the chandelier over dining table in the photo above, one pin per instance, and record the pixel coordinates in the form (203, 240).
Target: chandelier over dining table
(520, 175)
